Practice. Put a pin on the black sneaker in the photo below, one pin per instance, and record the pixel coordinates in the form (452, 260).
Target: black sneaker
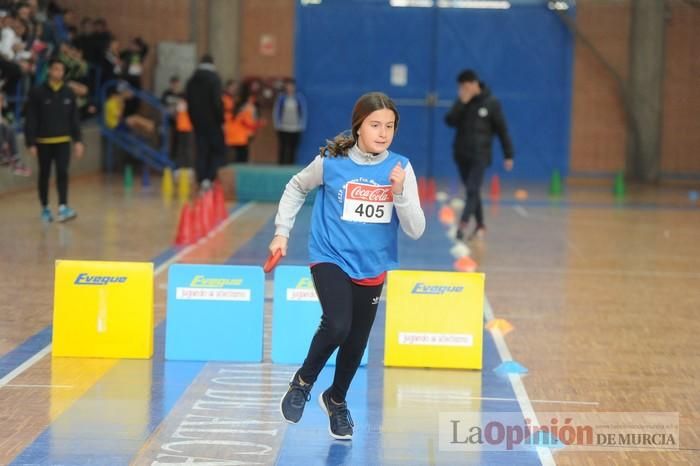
(339, 420)
(293, 402)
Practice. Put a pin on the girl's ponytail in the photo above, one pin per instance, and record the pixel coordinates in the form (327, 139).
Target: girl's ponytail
(338, 146)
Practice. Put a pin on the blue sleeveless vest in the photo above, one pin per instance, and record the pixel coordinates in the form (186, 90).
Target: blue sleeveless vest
(362, 250)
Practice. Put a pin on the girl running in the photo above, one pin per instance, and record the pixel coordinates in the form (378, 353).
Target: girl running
(365, 193)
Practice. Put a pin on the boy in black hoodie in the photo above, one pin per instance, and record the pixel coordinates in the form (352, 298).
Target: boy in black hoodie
(476, 115)
(52, 122)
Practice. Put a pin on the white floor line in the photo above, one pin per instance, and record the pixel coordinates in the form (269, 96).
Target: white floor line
(545, 454)
(25, 365)
(47, 349)
(563, 402)
(594, 271)
(67, 387)
(521, 211)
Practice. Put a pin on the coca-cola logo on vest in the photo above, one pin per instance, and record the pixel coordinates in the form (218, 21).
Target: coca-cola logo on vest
(363, 192)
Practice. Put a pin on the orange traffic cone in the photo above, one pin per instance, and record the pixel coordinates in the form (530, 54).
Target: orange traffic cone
(502, 325)
(184, 228)
(422, 188)
(432, 189)
(446, 215)
(495, 187)
(465, 264)
(219, 203)
(208, 211)
(198, 220)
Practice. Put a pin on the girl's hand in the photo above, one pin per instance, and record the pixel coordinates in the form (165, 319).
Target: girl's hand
(397, 177)
(279, 242)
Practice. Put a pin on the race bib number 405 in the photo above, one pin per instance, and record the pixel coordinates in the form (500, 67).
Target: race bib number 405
(368, 203)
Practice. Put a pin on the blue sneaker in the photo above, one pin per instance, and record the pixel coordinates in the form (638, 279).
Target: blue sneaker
(46, 215)
(65, 213)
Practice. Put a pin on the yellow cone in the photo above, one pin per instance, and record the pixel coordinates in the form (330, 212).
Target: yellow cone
(183, 186)
(167, 184)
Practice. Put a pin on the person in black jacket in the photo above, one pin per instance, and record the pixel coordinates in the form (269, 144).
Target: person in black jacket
(52, 121)
(476, 115)
(204, 105)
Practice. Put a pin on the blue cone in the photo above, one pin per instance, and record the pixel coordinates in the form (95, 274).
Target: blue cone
(510, 367)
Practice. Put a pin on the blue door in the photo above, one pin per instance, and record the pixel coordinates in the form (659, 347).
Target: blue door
(345, 48)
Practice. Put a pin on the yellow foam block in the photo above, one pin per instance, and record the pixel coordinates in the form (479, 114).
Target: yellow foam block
(103, 309)
(434, 319)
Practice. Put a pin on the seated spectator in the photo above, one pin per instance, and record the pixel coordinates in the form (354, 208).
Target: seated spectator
(10, 38)
(115, 118)
(61, 21)
(82, 40)
(110, 62)
(9, 155)
(132, 60)
(76, 68)
(14, 60)
(100, 39)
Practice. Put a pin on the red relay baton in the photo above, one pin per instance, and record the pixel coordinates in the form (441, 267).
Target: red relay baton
(272, 261)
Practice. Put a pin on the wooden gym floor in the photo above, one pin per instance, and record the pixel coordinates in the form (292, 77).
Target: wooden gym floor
(603, 295)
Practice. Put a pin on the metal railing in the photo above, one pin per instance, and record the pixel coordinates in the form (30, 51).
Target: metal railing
(158, 157)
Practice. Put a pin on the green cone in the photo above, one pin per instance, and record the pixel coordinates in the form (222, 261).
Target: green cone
(619, 186)
(128, 177)
(555, 187)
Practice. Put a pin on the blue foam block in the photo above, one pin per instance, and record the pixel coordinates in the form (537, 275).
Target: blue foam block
(215, 313)
(296, 315)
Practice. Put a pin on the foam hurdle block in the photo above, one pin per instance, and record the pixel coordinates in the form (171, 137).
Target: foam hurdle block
(215, 313)
(264, 182)
(103, 309)
(434, 319)
(296, 314)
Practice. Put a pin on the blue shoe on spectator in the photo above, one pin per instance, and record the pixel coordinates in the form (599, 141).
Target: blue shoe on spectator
(46, 215)
(65, 213)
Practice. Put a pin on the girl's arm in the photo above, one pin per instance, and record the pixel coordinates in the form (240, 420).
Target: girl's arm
(408, 207)
(295, 194)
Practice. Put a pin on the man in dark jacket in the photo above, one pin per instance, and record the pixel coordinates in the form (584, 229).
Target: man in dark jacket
(477, 115)
(203, 94)
(52, 121)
